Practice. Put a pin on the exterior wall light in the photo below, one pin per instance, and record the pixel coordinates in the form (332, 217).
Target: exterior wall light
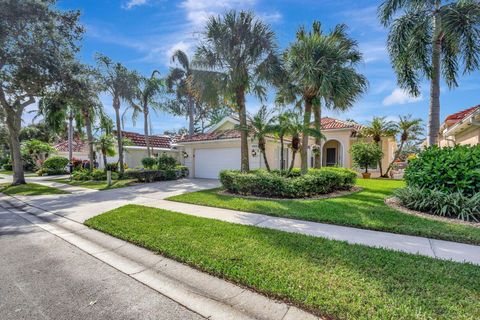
(254, 153)
(185, 155)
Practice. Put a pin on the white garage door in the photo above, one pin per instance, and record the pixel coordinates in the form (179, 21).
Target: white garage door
(209, 162)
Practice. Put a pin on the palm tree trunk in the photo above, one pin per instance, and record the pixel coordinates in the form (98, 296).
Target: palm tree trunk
(242, 115)
(306, 122)
(434, 112)
(14, 120)
(261, 145)
(282, 153)
(116, 106)
(70, 136)
(88, 128)
(380, 167)
(397, 154)
(317, 114)
(105, 163)
(146, 131)
(292, 163)
(191, 116)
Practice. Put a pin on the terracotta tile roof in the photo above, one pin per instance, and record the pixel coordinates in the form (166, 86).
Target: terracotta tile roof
(454, 118)
(216, 135)
(331, 123)
(77, 144)
(138, 140)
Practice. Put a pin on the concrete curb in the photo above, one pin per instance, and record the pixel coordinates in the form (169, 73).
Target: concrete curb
(211, 297)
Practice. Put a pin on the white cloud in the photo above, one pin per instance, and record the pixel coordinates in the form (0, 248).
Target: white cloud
(182, 45)
(374, 51)
(198, 11)
(134, 3)
(400, 96)
(271, 17)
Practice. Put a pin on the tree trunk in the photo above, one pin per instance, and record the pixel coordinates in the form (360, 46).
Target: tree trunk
(434, 113)
(14, 120)
(292, 163)
(88, 128)
(261, 145)
(242, 115)
(146, 130)
(317, 114)
(306, 122)
(282, 153)
(116, 106)
(70, 136)
(380, 166)
(191, 116)
(105, 163)
(397, 154)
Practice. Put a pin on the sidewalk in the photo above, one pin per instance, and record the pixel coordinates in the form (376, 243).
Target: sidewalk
(211, 297)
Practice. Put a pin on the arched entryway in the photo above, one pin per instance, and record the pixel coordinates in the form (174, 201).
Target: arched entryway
(332, 154)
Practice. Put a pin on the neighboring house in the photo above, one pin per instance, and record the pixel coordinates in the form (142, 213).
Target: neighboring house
(134, 151)
(461, 128)
(206, 154)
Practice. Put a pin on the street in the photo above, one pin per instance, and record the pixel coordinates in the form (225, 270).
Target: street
(44, 277)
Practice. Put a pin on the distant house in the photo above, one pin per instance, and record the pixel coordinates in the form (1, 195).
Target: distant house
(461, 128)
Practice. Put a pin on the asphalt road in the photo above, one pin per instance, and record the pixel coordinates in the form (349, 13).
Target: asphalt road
(44, 277)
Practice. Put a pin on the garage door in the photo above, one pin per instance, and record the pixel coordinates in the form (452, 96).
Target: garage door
(209, 162)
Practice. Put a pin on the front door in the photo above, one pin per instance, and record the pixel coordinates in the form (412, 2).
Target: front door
(331, 157)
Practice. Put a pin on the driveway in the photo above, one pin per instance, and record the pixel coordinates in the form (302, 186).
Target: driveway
(44, 277)
(85, 203)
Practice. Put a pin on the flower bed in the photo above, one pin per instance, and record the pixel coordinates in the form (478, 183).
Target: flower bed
(276, 184)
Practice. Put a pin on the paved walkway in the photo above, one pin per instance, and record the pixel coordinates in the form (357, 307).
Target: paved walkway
(80, 206)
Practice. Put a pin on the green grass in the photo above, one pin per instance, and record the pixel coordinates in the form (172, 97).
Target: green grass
(27, 174)
(330, 278)
(29, 189)
(365, 209)
(98, 185)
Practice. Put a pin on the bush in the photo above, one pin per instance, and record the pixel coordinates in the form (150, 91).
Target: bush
(182, 170)
(165, 162)
(366, 155)
(81, 175)
(446, 204)
(55, 165)
(279, 185)
(7, 167)
(450, 169)
(112, 166)
(146, 175)
(148, 163)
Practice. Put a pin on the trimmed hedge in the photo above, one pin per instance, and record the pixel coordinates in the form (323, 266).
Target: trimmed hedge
(449, 169)
(95, 174)
(146, 175)
(445, 204)
(55, 165)
(276, 184)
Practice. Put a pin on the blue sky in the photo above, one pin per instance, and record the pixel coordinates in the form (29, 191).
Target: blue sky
(142, 34)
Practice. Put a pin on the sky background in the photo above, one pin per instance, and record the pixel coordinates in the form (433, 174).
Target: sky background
(142, 34)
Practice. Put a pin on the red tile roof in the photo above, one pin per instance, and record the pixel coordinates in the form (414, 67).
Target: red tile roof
(77, 144)
(454, 118)
(138, 140)
(331, 123)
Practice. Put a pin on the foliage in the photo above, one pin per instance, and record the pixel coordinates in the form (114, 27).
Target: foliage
(445, 204)
(260, 126)
(95, 175)
(270, 184)
(449, 169)
(55, 165)
(149, 163)
(183, 170)
(150, 175)
(36, 149)
(165, 162)
(365, 154)
(333, 279)
(7, 167)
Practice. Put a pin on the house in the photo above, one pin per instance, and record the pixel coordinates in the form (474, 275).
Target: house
(461, 128)
(206, 154)
(134, 150)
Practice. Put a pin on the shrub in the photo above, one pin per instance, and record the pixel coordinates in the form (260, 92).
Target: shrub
(112, 166)
(446, 204)
(55, 165)
(165, 161)
(450, 169)
(148, 163)
(7, 167)
(366, 155)
(146, 175)
(277, 184)
(183, 171)
(81, 175)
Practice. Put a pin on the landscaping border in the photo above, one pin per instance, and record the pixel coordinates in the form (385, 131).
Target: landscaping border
(394, 203)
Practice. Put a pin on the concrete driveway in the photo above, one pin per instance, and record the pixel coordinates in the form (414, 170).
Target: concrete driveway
(83, 203)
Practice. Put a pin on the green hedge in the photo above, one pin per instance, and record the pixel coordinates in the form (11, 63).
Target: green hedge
(279, 185)
(55, 165)
(96, 175)
(146, 175)
(450, 169)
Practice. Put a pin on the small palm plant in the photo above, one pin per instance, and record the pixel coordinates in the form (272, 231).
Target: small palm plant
(106, 145)
(261, 125)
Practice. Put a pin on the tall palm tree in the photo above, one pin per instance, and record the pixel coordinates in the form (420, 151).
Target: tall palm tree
(409, 130)
(432, 39)
(261, 125)
(378, 128)
(120, 83)
(240, 50)
(321, 70)
(147, 96)
(106, 145)
(280, 129)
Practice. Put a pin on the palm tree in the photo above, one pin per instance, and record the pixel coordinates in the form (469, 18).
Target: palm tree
(261, 125)
(378, 128)
(120, 83)
(321, 70)
(106, 145)
(147, 96)
(281, 128)
(239, 50)
(409, 129)
(432, 39)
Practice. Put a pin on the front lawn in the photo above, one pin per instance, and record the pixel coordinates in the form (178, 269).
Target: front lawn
(98, 185)
(330, 278)
(365, 209)
(26, 173)
(29, 189)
